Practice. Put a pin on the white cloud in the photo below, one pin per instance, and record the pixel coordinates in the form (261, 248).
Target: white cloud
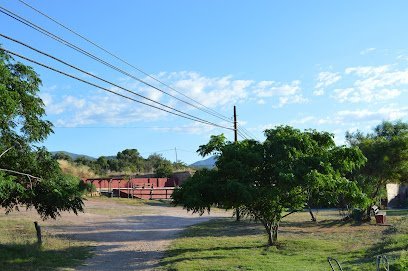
(325, 79)
(385, 113)
(213, 92)
(294, 99)
(104, 108)
(68, 103)
(372, 84)
(368, 70)
(286, 93)
(266, 89)
(359, 116)
(367, 51)
(303, 120)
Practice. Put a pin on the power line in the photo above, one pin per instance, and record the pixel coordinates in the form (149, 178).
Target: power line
(111, 91)
(118, 58)
(124, 127)
(97, 77)
(86, 53)
(241, 134)
(246, 132)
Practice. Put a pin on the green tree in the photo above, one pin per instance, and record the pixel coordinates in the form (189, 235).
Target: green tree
(29, 176)
(273, 179)
(164, 169)
(130, 160)
(214, 146)
(102, 165)
(62, 156)
(386, 150)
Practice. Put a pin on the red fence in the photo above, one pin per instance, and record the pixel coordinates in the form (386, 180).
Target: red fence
(144, 188)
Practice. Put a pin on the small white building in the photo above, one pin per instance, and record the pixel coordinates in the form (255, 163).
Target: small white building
(397, 195)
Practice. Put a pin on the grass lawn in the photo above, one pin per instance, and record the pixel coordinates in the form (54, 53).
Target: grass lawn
(303, 245)
(19, 250)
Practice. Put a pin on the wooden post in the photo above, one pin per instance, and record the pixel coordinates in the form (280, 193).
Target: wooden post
(119, 189)
(133, 190)
(38, 230)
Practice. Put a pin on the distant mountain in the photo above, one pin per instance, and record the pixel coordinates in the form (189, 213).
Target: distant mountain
(74, 155)
(207, 163)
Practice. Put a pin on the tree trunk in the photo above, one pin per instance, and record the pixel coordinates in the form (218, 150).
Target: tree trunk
(311, 214)
(373, 196)
(237, 214)
(38, 230)
(272, 232)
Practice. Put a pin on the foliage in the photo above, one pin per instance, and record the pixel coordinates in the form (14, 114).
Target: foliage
(386, 150)
(214, 146)
(265, 180)
(37, 180)
(200, 192)
(128, 161)
(21, 109)
(164, 169)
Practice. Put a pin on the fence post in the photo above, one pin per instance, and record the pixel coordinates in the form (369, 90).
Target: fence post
(38, 231)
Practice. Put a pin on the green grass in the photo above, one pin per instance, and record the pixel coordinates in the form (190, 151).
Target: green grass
(397, 212)
(224, 244)
(19, 249)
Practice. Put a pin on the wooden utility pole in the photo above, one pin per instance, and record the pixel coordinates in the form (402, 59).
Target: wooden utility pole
(235, 125)
(237, 212)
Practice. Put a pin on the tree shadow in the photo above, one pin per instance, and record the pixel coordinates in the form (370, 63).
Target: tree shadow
(320, 224)
(223, 227)
(160, 203)
(31, 256)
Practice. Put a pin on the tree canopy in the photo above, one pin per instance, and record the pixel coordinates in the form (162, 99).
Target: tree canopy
(29, 176)
(270, 180)
(386, 149)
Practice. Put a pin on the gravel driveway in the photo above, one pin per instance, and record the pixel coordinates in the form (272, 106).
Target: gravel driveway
(123, 240)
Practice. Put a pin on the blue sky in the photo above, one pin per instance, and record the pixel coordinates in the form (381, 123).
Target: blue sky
(329, 65)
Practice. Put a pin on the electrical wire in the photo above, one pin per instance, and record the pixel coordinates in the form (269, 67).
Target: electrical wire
(111, 91)
(86, 53)
(247, 133)
(241, 134)
(120, 59)
(97, 77)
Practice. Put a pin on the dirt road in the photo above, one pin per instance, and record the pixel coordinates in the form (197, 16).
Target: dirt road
(126, 237)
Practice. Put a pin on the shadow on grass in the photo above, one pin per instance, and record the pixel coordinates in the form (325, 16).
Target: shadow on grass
(401, 212)
(161, 203)
(321, 224)
(392, 244)
(31, 257)
(224, 227)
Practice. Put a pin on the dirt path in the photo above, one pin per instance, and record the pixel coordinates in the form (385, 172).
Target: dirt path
(124, 240)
